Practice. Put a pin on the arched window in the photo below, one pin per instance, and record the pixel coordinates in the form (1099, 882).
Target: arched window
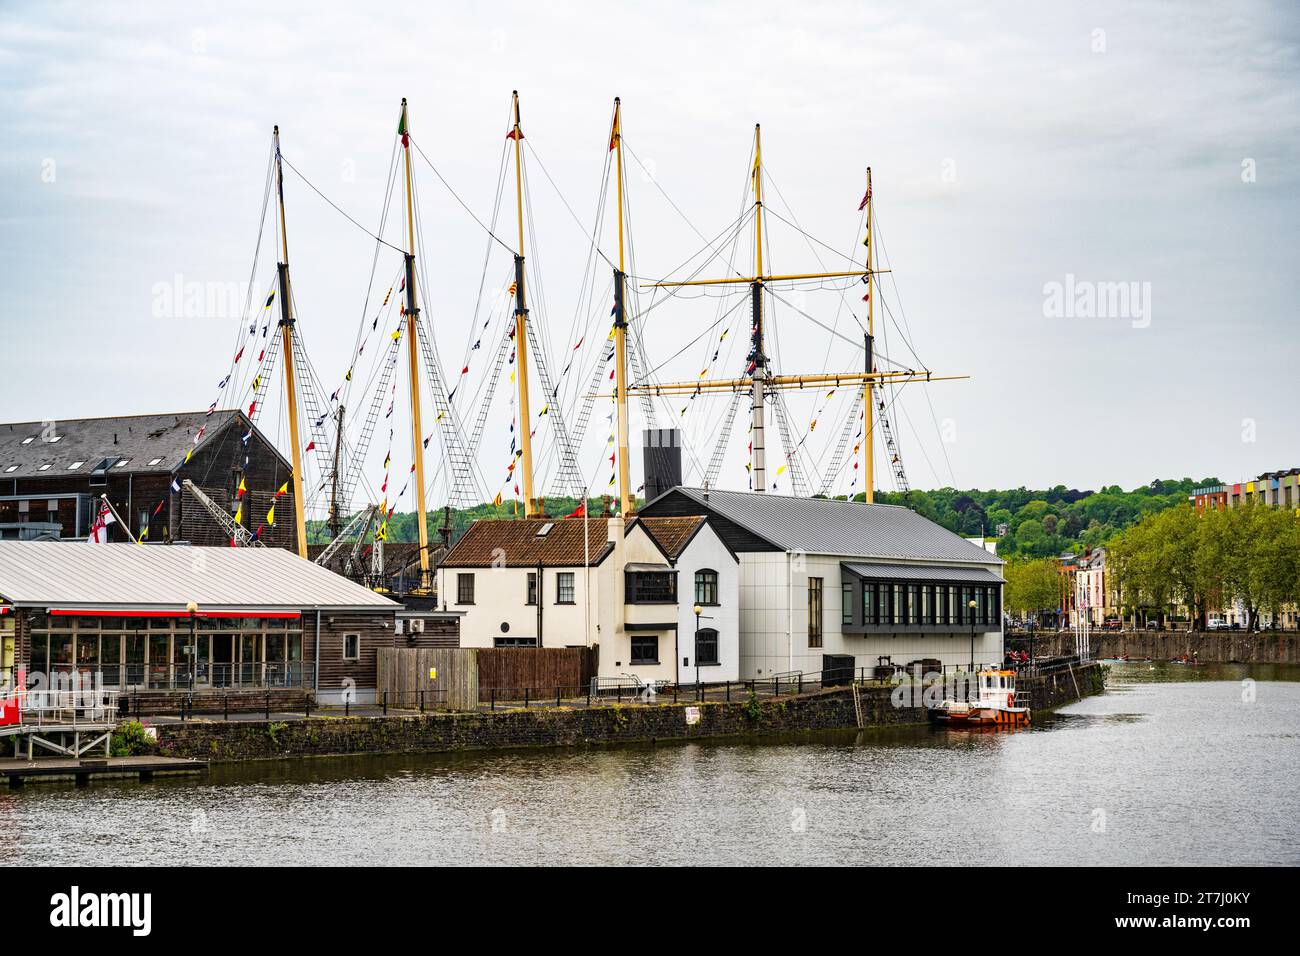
(706, 646)
(706, 586)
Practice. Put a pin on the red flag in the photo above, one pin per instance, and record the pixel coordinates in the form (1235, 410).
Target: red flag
(865, 199)
(515, 134)
(310, 446)
(239, 354)
(252, 407)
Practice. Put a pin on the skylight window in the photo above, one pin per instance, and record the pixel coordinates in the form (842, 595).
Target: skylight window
(75, 465)
(154, 461)
(28, 440)
(44, 467)
(11, 468)
(122, 463)
(53, 438)
(545, 529)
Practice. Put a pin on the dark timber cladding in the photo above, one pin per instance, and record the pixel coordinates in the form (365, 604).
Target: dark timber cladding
(52, 474)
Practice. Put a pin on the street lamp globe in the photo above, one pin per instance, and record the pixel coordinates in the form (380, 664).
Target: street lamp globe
(698, 610)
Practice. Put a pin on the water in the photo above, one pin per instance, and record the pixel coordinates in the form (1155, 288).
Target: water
(1171, 766)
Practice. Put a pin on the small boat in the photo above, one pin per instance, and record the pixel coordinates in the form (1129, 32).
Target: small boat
(995, 705)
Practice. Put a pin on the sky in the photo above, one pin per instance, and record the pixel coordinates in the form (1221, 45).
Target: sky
(1088, 209)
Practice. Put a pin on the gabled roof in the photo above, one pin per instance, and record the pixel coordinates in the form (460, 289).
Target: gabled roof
(518, 543)
(129, 443)
(671, 534)
(168, 577)
(823, 526)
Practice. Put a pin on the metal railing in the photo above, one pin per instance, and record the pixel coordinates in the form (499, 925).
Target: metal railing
(68, 708)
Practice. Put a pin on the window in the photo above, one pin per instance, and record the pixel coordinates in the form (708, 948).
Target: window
(650, 587)
(44, 467)
(532, 587)
(706, 647)
(154, 461)
(927, 603)
(514, 642)
(706, 586)
(645, 649)
(882, 604)
(75, 465)
(122, 463)
(869, 615)
(465, 589)
(814, 612)
(564, 588)
(846, 603)
(28, 440)
(898, 608)
(11, 468)
(913, 604)
(351, 647)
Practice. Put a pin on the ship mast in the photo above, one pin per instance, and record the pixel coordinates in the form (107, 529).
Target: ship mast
(413, 356)
(620, 327)
(521, 322)
(758, 447)
(868, 393)
(286, 333)
(759, 381)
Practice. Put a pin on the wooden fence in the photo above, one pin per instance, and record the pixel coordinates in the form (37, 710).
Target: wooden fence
(468, 675)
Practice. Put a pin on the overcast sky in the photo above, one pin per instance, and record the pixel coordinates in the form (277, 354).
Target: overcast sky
(1013, 147)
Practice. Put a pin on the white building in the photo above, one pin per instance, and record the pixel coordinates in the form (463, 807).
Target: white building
(820, 577)
(577, 582)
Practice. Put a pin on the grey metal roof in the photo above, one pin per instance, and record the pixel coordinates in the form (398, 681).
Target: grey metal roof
(168, 577)
(922, 572)
(134, 441)
(845, 528)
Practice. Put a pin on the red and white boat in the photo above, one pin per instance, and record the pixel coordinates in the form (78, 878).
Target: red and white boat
(995, 705)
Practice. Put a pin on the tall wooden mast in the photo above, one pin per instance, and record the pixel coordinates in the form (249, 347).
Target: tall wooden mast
(286, 334)
(620, 326)
(521, 322)
(413, 355)
(758, 445)
(868, 390)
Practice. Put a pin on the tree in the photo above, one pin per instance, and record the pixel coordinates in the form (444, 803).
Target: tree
(1032, 586)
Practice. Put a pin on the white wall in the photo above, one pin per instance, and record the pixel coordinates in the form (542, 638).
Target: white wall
(706, 550)
(768, 622)
(500, 595)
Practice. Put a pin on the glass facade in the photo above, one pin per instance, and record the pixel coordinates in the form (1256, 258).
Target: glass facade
(891, 604)
(155, 652)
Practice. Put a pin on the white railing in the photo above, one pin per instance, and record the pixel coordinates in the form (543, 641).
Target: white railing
(68, 708)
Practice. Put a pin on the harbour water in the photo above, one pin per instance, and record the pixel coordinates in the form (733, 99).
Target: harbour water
(1173, 765)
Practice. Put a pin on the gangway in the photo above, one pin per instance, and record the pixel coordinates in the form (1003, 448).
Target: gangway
(70, 723)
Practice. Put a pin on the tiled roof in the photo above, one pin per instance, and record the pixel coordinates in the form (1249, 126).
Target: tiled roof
(133, 443)
(827, 526)
(517, 543)
(168, 577)
(672, 534)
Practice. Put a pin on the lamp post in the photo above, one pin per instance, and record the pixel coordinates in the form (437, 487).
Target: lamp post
(972, 607)
(698, 610)
(193, 608)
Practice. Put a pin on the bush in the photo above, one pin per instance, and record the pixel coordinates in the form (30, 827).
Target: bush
(131, 740)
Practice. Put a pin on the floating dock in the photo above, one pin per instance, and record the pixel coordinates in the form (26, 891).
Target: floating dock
(80, 771)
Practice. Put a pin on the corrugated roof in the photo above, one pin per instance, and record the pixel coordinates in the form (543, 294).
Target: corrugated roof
(672, 534)
(167, 577)
(517, 544)
(826, 526)
(922, 572)
(46, 450)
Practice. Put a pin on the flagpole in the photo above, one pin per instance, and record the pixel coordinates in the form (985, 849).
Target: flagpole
(412, 358)
(758, 449)
(290, 386)
(521, 321)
